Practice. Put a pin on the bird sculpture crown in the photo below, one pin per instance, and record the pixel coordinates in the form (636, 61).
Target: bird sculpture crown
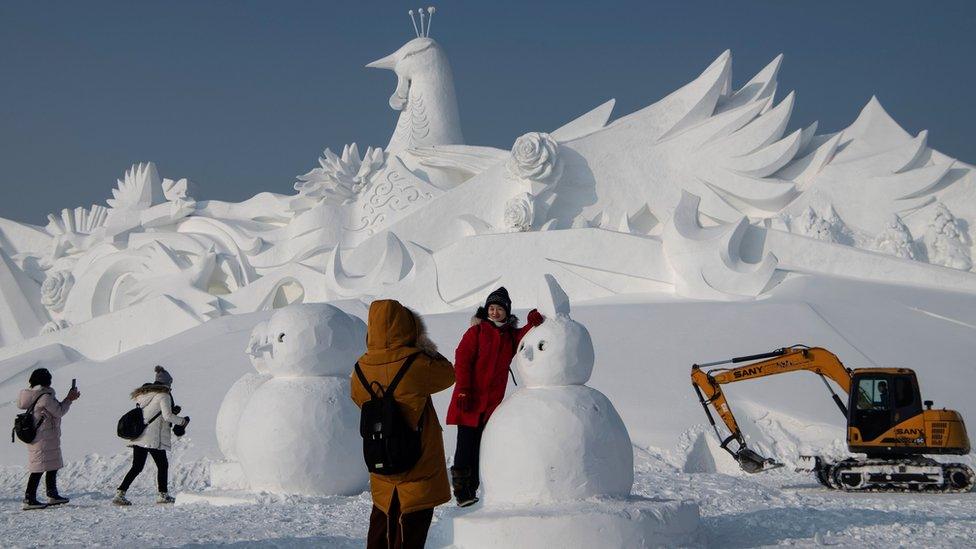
(426, 18)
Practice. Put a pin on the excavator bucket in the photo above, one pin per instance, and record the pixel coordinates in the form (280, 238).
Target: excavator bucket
(751, 462)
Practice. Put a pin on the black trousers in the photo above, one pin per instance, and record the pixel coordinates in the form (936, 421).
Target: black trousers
(139, 461)
(50, 482)
(396, 530)
(468, 450)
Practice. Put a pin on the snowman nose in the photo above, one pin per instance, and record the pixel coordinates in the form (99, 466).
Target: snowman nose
(256, 349)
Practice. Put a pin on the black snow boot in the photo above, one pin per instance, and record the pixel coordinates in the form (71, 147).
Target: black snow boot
(31, 503)
(465, 489)
(56, 499)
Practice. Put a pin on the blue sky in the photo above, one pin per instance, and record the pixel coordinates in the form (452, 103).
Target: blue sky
(242, 96)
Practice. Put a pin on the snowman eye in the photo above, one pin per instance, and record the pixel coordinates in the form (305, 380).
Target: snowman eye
(542, 345)
(281, 337)
(521, 346)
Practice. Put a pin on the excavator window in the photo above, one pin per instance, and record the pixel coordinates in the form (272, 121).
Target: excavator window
(904, 392)
(872, 394)
(872, 407)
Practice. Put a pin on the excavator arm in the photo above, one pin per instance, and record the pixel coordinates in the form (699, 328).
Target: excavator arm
(708, 385)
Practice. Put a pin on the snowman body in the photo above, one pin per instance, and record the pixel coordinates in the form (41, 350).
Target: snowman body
(555, 439)
(296, 430)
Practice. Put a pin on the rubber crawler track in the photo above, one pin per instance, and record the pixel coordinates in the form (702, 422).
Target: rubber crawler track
(829, 475)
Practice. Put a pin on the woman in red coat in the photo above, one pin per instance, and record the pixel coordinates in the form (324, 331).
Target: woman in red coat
(481, 366)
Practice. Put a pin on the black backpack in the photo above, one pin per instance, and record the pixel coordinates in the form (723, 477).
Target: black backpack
(390, 444)
(131, 425)
(24, 427)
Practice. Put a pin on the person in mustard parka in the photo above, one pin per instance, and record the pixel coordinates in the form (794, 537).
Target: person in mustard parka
(403, 504)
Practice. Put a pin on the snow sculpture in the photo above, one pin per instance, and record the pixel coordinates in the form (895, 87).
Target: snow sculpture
(535, 159)
(424, 93)
(519, 213)
(396, 222)
(946, 243)
(239, 394)
(896, 239)
(339, 178)
(299, 432)
(707, 261)
(556, 459)
(54, 290)
(829, 228)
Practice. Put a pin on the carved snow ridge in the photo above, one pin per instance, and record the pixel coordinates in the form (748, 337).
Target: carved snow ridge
(707, 262)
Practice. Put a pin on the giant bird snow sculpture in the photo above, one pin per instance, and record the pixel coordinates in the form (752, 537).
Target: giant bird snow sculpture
(595, 199)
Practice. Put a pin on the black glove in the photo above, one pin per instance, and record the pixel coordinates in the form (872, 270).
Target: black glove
(177, 409)
(180, 430)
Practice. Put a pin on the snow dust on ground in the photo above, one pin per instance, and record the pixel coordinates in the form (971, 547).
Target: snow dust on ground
(775, 508)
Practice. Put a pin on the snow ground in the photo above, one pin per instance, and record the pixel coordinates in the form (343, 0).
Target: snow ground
(775, 508)
(644, 350)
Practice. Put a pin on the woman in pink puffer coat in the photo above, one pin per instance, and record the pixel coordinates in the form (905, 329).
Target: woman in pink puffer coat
(45, 451)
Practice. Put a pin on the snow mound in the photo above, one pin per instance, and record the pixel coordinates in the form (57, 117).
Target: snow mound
(631, 522)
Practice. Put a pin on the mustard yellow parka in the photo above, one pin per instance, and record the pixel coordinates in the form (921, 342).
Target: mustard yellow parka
(394, 332)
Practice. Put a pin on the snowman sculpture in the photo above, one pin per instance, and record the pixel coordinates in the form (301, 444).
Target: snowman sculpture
(557, 463)
(239, 394)
(296, 431)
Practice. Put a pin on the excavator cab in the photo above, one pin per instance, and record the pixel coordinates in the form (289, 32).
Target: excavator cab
(881, 398)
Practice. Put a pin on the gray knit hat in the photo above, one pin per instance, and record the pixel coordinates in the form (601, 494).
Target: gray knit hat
(163, 377)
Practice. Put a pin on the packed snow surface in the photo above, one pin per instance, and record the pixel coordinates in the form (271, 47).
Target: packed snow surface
(643, 348)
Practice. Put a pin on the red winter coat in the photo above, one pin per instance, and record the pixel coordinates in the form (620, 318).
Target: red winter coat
(481, 364)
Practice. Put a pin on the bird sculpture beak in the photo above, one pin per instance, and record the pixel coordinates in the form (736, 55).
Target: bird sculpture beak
(388, 62)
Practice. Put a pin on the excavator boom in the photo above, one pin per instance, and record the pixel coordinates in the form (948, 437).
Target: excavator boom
(708, 385)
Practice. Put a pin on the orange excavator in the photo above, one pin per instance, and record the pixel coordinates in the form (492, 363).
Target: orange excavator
(884, 415)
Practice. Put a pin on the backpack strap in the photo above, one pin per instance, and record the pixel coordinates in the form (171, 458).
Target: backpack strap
(159, 413)
(399, 375)
(364, 381)
(393, 384)
(30, 410)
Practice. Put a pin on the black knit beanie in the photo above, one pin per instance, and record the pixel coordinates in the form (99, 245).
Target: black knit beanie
(40, 377)
(500, 297)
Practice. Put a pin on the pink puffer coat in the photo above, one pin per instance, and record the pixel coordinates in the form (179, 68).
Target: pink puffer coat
(45, 452)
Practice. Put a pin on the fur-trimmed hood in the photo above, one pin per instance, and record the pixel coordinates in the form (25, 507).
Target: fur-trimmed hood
(482, 315)
(147, 388)
(393, 333)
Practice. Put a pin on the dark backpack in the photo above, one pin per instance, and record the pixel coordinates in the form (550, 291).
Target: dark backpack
(390, 444)
(24, 427)
(131, 426)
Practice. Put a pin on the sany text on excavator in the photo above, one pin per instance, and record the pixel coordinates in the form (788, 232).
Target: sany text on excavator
(885, 421)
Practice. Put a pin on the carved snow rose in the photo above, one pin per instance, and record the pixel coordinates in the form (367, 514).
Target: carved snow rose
(54, 290)
(519, 212)
(535, 157)
(54, 326)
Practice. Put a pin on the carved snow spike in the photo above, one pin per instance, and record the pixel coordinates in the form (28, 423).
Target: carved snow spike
(430, 18)
(415, 31)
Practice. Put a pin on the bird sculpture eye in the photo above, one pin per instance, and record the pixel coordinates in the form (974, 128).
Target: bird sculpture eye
(542, 345)
(281, 337)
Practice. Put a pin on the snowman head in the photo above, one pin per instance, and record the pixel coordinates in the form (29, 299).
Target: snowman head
(560, 350)
(314, 339)
(258, 347)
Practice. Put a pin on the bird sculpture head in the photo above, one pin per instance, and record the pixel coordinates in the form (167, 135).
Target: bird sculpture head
(424, 93)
